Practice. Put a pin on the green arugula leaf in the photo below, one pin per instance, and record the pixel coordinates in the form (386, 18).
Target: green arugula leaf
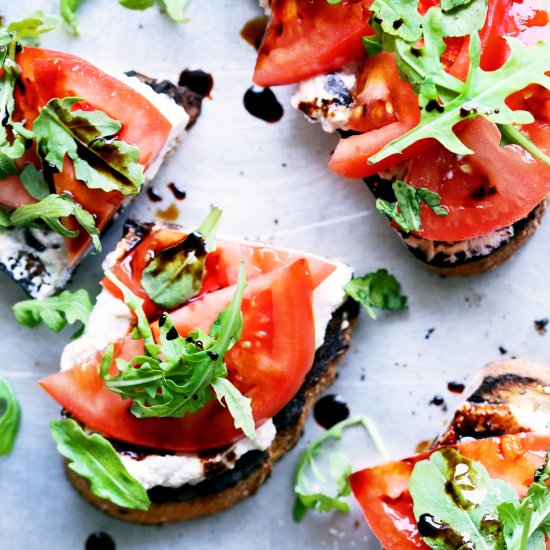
(173, 8)
(68, 13)
(311, 487)
(10, 414)
(460, 18)
(181, 375)
(14, 137)
(237, 404)
(101, 160)
(137, 4)
(399, 18)
(483, 94)
(526, 524)
(175, 274)
(378, 289)
(4, 218)
(405, 212)
(50, 210)
(55, 312)
(458, 493)
(33, 181)
(94, 458)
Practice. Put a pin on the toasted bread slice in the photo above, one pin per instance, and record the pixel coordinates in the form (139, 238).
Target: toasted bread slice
(508, 397)
(470, 257)
(220, 491)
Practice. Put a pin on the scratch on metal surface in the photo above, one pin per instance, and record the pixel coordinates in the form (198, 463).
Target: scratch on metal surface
(324, 223)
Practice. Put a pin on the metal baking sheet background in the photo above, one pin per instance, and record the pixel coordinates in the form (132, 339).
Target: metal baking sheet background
(273, 184)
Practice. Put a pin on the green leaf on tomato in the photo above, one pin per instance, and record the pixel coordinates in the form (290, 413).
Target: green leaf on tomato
(175, 274)
(95, 459)
(101, 160)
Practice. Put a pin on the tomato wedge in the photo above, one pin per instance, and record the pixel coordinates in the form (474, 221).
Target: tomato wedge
(268, 365)
(488, 190)
(382, 90)
(310, 37)
(221, 264)
(387, 505)
(48, 74)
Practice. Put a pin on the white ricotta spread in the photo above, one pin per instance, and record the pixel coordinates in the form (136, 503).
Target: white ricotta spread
(266, 5)
(530, 419)
(328, 98)
(177, 470)
(110, 320)
(45, 270)
(327, 298)
(454, 251)
(176, 115)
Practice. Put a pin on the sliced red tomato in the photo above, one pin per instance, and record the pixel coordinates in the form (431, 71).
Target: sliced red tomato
(384, 496)
(310, 37)
(221, 265)
(491, 189)
(386, 108)
(268, 365)
(48, 74)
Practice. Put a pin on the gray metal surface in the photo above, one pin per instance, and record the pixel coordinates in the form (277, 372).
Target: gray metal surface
(272, 183)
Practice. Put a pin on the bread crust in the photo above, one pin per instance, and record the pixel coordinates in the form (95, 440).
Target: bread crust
(498, 256)
(496, 398)
(286, 438)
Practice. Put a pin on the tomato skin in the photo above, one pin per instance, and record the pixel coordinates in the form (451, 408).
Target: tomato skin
(48, 74)
(310, 37)
(488, 190)
(270, 369)
(221, 264)
(350, 159)
(383, 492)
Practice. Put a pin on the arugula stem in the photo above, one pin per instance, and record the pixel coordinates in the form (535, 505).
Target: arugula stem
(514, 135)
(526, 527)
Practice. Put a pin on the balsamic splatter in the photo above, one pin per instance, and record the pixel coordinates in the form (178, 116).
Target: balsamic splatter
(330, 410)
(99, 541)
(262, 103)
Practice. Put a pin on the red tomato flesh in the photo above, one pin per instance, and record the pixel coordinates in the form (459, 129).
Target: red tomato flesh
(221, 265)
(491, 189)
(310, 37)
(386, 502)
(268, 365)
(48, 74)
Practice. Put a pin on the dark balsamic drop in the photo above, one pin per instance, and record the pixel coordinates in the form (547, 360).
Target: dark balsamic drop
(254, 30)
(455, 387)
(330, 410)
(153, 195)
(177, 192)
(100, 541)
(197, 81)
(262, 103)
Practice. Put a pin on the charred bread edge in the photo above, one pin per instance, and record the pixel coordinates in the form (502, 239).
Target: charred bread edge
(523, 230)
(28, 258)
(490, 415)
(252, 469)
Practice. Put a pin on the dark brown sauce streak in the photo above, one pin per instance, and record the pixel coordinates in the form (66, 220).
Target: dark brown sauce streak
(455, 387)
(171, 214)
(253, 31)
(441, 532)
(176, 191)
(459, 481)
(153, 195)
(330, 410)
(100, 541)
(197, 81)
(262, 103)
